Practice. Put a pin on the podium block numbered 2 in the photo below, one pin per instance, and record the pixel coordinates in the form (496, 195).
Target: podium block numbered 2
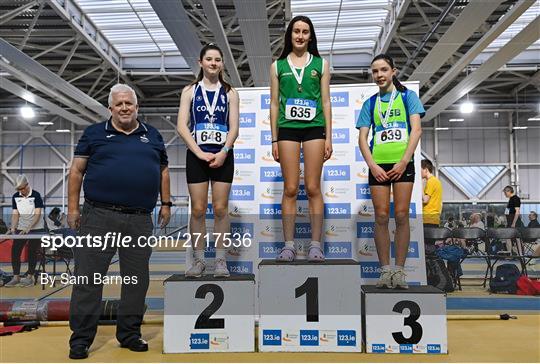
(209, 314)
(309, 307)
(404, 321)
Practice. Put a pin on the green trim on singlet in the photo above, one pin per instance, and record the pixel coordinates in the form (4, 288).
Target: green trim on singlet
(390, 152)
(311, 89)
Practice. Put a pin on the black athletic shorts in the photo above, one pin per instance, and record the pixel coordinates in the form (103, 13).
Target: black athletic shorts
(198, 171)
(407, 176)
(302, 135)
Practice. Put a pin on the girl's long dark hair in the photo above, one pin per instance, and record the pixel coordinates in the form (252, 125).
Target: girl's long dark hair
(399, 86)
(211, 46)
(312, 45)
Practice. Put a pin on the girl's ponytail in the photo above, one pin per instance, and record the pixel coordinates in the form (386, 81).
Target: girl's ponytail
(399, 86)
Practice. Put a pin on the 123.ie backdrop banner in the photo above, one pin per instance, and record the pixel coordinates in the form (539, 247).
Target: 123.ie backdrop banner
(348, 231)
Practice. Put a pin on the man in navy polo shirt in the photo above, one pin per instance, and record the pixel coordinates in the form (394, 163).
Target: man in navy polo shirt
(124, 165)
(26, 218)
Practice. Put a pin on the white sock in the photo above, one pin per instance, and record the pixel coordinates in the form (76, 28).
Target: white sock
(290, 244)
(386, 267)
(199, 254)
(220, 253)
(315, 244)
(398, 268)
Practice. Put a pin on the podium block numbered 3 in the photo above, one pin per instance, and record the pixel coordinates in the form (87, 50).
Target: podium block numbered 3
(405, 321)
(309, 307)
(209, 314)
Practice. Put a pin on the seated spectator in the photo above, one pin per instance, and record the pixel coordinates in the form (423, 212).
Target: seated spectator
(461, 242)
(476, 221)
(533, 224)
(55, 220)
(57, 223)
(533, 220)
(490, 220)
(450, 223)
(501, 221)
(3, 226)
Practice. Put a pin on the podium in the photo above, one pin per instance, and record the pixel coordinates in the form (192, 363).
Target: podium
(404, 321)
(209, 314)
(309, 306)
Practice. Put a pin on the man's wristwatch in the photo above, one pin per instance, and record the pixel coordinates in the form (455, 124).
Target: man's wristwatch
(163, 203)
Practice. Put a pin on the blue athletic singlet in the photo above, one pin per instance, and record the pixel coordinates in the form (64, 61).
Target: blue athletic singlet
(209, 118)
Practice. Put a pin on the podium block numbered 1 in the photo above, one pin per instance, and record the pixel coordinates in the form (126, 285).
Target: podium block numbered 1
(310, 307)
(209, 314)
(405, 321)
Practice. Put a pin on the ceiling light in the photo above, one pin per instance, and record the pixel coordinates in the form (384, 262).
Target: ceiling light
(455, 120)
(63, 130)
(45, 123)
(442, 128)
(27, 112)
(467, 107)
(520, 127)
(536, 118)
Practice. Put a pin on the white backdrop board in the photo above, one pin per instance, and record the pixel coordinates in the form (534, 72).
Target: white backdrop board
(255, 204)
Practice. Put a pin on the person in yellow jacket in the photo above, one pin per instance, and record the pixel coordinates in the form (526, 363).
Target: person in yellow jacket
(432, 196)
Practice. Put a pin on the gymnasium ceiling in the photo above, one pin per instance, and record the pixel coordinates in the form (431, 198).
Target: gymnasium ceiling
(63, 55)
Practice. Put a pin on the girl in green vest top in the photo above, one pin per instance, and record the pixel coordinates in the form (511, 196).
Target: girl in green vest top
(393, 116)
(300, 117)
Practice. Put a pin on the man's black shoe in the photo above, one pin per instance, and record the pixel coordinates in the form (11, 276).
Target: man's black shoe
(136, 345)
(78, 352)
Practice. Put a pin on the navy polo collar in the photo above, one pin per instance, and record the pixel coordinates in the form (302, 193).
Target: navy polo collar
(140, 130)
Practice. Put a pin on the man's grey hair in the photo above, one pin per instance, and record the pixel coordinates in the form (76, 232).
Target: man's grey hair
(121, 87)
(21, 181)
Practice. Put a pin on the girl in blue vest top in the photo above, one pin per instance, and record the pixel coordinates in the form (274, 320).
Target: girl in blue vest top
(393, 116)
(301, 116)
(208, 123)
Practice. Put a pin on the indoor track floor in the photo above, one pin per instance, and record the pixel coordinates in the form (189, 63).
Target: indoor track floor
(468, 340)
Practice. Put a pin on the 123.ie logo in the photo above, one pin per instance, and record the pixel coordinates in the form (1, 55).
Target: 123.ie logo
(366, 209)
(271, 231)
(335, 230)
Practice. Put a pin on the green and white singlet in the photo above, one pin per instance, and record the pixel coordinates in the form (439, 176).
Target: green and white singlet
(300, 105)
